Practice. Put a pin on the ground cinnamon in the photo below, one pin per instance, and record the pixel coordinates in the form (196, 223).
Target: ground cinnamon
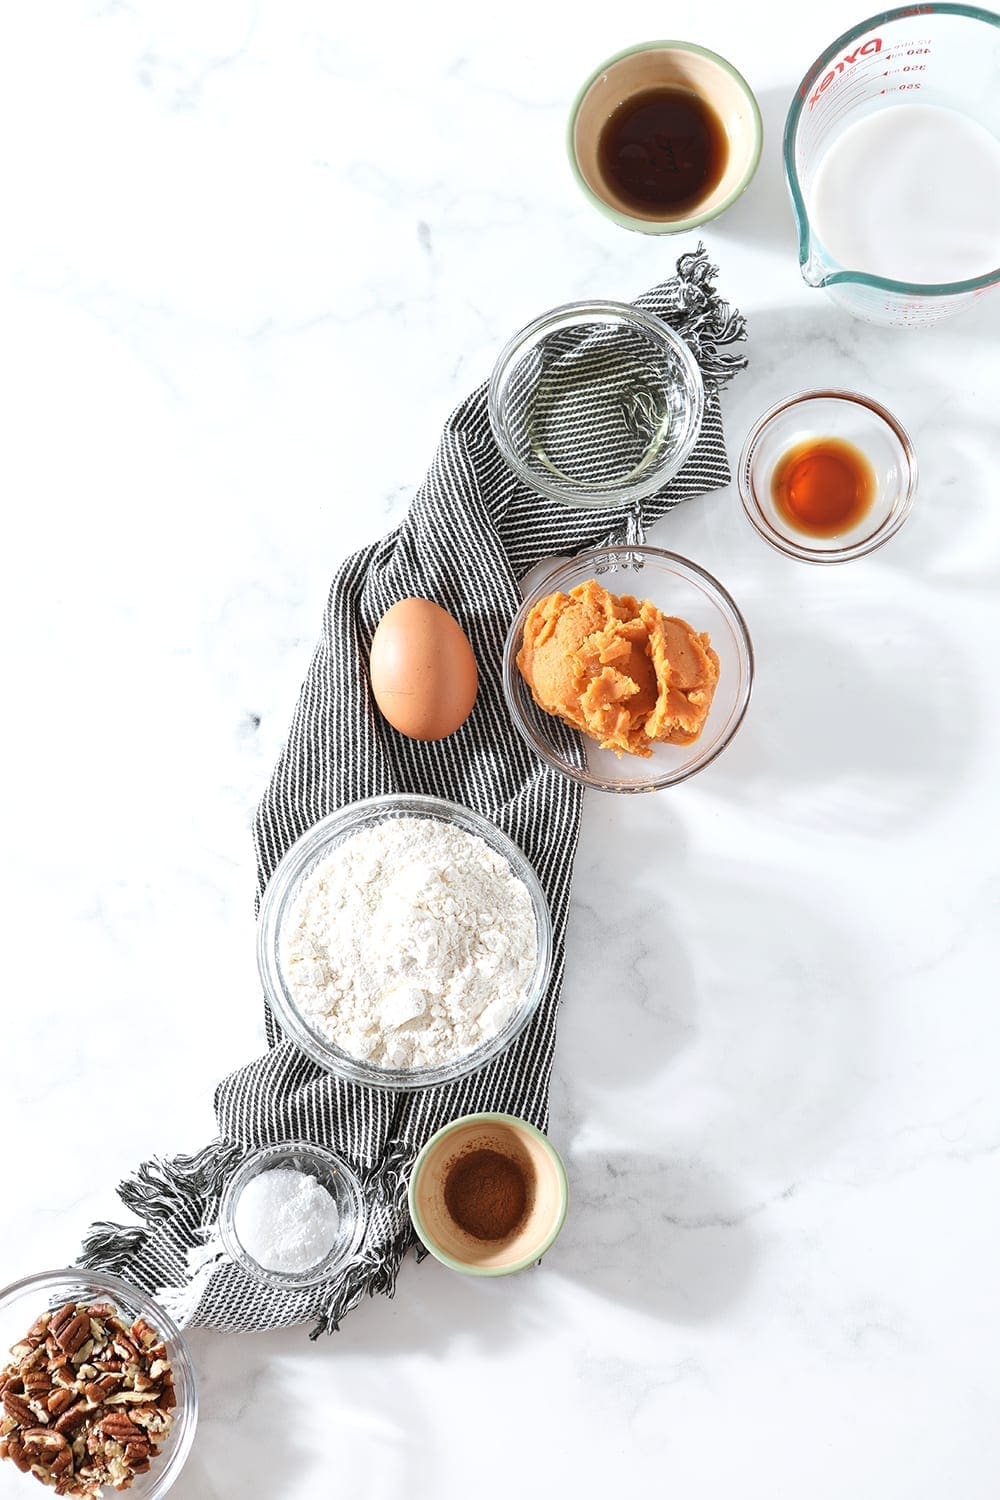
(486, 1194)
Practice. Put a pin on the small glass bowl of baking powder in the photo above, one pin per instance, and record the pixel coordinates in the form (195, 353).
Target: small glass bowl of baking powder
(277, 909)
(268, 1227)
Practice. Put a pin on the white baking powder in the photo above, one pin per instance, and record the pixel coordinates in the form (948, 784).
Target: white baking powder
(286, 1220)
(410, 944)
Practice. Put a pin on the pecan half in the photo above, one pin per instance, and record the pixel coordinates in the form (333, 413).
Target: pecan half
(44, 1438)
(37, 1384)
(15, 1406)
(119, 1425)
(60, 1462)
(144, 1334)
(64, 1315)
(74, 1417)
(15, 1452)
(72, 1334)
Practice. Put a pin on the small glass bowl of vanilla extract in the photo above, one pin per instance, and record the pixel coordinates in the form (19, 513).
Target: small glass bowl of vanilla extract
(827, 476)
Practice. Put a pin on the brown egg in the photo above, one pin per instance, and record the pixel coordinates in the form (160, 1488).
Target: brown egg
(423, 671)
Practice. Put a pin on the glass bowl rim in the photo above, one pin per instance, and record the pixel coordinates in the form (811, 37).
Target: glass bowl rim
(800, 551)
(178, 1443)
(488, 1117)
(625, 314)
(728, 607)
(251, 1167)
(284, 879)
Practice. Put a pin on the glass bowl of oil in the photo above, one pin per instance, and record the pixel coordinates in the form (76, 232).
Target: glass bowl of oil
(827, 476)
(596, 404)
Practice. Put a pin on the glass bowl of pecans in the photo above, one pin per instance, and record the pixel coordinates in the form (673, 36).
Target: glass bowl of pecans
(97, 1388)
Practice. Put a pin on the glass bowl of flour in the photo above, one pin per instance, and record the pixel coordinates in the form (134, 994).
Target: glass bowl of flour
(403, 942)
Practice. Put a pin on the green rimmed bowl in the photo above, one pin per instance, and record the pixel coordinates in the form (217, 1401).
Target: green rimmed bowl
(540, 1164)
(670, 64)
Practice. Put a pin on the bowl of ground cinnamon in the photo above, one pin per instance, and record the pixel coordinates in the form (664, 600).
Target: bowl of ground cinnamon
(488, 1194)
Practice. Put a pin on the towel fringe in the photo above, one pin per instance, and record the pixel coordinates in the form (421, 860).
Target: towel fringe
(159, 1192)
(708, 322)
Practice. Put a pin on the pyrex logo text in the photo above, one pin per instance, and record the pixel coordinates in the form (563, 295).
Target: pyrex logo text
(867, 49)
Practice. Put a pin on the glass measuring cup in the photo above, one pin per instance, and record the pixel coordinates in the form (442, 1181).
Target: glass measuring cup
(929, 54)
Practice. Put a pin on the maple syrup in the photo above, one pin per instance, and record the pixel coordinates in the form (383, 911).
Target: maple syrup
(663, 149)
(823, 486)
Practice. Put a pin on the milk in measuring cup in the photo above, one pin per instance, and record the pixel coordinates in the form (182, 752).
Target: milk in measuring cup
(911, 192)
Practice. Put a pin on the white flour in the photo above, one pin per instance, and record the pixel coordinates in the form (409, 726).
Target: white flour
(410, 944)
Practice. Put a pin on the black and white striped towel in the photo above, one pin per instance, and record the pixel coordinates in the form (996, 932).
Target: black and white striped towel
(471, 534)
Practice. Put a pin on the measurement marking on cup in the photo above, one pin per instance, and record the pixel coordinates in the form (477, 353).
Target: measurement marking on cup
(867, 49)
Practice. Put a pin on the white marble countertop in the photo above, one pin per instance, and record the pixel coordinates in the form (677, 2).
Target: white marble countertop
(253, 254)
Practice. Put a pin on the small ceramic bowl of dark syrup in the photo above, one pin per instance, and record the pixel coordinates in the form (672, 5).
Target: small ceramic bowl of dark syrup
(664, 136)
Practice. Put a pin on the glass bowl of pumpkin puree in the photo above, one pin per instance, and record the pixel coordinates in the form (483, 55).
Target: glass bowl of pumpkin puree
(628, 668)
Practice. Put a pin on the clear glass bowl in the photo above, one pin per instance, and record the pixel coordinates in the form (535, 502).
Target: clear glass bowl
(23, 1301)
(331, 1173)
(677, 587)
(596, 404)
(297, 864)
(854, 419)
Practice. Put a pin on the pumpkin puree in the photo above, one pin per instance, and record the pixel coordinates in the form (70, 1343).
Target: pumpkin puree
(618, 669)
